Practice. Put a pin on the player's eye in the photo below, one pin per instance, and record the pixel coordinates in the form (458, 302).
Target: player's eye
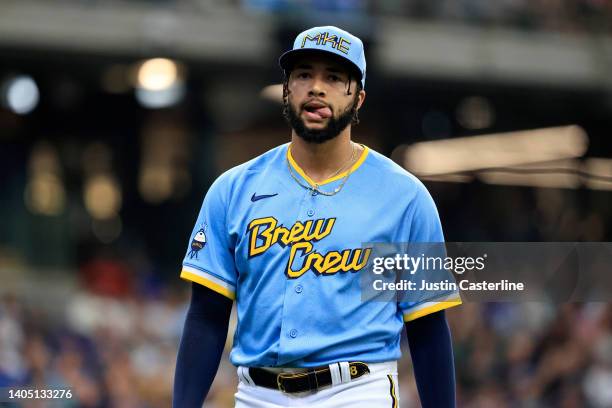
(334, 78)
(303, 75)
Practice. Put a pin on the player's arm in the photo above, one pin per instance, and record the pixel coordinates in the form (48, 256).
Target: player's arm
(431, 350)
(201, 346)
(428, 333)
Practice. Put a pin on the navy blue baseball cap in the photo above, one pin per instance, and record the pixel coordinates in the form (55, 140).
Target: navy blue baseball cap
(328, 39)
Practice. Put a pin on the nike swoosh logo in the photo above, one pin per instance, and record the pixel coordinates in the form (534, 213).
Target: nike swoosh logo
(261, 197)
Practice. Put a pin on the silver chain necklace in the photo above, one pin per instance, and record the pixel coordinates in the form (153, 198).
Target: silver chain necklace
(315, 189)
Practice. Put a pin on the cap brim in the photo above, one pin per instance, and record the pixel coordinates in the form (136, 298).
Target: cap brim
(287, 59)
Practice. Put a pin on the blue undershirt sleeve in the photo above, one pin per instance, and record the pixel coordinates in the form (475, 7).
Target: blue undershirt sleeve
(201, 346)
(431, 350)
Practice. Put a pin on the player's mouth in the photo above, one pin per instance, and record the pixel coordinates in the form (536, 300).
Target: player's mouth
(316, 111)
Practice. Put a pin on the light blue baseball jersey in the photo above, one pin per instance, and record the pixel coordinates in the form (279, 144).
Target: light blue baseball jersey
(292, 260)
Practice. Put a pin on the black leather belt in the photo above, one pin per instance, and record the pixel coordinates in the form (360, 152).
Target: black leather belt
(310, 380)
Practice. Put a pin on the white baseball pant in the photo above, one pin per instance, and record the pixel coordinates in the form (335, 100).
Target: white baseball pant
(378, 389)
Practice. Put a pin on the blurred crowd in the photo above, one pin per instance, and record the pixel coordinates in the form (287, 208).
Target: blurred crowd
(113, 341)
(120, 353)
(577, 16)
(533, 355)
(114, 344)
(548, 15)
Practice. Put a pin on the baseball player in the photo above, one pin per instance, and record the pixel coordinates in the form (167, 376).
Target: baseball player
(281, 235)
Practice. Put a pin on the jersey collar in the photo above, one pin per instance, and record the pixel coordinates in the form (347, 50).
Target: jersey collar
(301, 172)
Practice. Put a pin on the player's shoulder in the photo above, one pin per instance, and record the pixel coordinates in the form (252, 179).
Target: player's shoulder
(390, 174)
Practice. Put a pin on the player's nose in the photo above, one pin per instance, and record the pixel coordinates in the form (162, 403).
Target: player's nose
(317, 87)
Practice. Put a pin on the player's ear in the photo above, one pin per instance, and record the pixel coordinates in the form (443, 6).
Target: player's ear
(361, 98)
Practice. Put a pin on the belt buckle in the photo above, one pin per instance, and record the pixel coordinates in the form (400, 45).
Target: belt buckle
(279, 383)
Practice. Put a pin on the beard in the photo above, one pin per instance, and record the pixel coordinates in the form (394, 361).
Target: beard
(318, 136)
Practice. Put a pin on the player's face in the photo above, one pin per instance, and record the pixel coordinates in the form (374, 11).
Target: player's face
(319, 104)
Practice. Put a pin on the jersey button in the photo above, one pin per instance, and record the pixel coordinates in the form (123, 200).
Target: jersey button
(293, 333)
(299, 289)
(310, 212)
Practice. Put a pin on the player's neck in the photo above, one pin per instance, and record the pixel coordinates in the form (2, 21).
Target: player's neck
(318, 161)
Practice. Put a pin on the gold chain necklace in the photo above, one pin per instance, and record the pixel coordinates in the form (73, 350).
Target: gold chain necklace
(315, 189)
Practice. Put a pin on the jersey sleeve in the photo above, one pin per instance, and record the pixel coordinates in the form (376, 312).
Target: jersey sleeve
(209, 259)
(422, 224)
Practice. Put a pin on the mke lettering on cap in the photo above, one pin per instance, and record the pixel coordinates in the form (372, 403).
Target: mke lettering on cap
(339, 43)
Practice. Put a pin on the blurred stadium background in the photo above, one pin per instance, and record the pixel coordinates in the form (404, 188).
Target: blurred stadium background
(116, 116)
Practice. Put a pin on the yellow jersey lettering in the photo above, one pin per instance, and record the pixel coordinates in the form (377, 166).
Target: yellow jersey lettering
(281, 233)
(265, 232)
(357, 254)
(319, 234)
(305, 248)
(265, 235)
(344, 265)
(332, 261)
(296, 232)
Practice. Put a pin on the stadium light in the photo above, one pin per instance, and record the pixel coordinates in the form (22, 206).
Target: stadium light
(160, 99)
(601, 171)
(549, 158)
(102, 196)
(159, 83)
(157, 74)
(554, 174)
(495, 150)
(44, 192)
(20, 94)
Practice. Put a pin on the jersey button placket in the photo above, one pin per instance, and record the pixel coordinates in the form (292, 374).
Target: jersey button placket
(290, 344)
